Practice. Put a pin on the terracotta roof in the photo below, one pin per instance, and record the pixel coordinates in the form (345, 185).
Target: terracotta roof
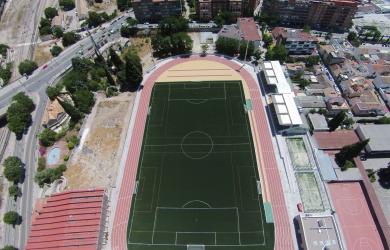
(335, 140)
(67, 220)
(249, 29)
(53, 111)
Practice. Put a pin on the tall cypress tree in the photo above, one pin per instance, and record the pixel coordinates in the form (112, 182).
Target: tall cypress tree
(74, 113)
(336, 121)
(115, 59)
(350, 151)
(130, 76)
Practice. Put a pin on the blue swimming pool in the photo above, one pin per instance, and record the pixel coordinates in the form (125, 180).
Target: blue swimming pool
(53, 156)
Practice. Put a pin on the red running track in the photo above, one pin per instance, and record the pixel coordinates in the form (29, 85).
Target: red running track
(283, 234)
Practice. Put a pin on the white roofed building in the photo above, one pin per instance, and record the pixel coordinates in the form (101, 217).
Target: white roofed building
(286, 110)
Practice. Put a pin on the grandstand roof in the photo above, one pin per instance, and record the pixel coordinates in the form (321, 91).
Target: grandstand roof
(274, 75)
(286, 110)
(67, 220)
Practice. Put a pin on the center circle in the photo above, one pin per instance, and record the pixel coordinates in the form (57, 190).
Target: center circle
(197, 145)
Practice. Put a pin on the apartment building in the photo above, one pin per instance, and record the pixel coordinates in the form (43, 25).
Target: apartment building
(154, 11)
(296, 41)
(246, 29)
(321, 14)
(207, 10)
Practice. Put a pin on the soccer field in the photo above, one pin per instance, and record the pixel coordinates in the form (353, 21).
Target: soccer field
(197, 181)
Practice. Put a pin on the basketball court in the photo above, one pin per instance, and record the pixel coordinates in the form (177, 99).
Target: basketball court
(357, 224)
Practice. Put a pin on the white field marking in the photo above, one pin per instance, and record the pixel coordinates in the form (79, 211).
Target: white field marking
(254, 161)
(200, 201)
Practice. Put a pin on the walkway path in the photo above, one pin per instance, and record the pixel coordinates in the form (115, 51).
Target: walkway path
(273, 191)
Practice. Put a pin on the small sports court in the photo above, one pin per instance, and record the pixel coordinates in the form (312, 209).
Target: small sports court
(357, 223)
(197, 183)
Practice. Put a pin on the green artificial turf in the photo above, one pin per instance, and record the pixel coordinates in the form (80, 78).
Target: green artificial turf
(197, 176)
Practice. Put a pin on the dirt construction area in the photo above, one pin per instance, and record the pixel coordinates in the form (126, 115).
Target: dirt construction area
(95, 162)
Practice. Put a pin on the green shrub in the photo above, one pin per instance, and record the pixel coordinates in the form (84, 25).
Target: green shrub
(47, 137)
(14, 191)
(66, 157)
(41, 164)
(347, 164)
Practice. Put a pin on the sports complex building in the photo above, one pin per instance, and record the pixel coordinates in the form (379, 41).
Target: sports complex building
(200, 170)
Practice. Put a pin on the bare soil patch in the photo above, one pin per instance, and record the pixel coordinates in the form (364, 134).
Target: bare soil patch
(95, 163)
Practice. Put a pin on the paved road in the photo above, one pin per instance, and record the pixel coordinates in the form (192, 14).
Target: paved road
(26, 148)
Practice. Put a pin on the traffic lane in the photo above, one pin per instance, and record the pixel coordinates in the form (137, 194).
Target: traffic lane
(61, 62)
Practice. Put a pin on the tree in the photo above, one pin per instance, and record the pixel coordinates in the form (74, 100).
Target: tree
(271, 19)
(54, 91)
(123, 4)
(50, 12)
(41, 164)
(49, 175)
(347, 164)
(383, 120)
(328, 35)
(352, 36)
(55, 50)
(384, 177)
(350, 151)
(348, 122)
(47, 137)
(9, 247)
(94, 19)
(11, 218)
(73, 141)
(69, 38)
(171, 25)
(44, 27)
(6, 73)
(115, 59)
(224, 17)
(353, 39)
(129, 31)
(178, 43)
(14, 191)
(278, 52)
(312, 60)
(267, 39)
(19, 113)
(181, 43)
(81, 64)
(13, 169)
(67, 4)
(205, 47)
(227, 46)
(74, 113)
(257, 54)
(27, 67)
(57, 31)
(84, 100)
(3, 49)
(306, 28)
(130, 76)
(247, 49)
(23, 99)
(336, 121)
(17, 118)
